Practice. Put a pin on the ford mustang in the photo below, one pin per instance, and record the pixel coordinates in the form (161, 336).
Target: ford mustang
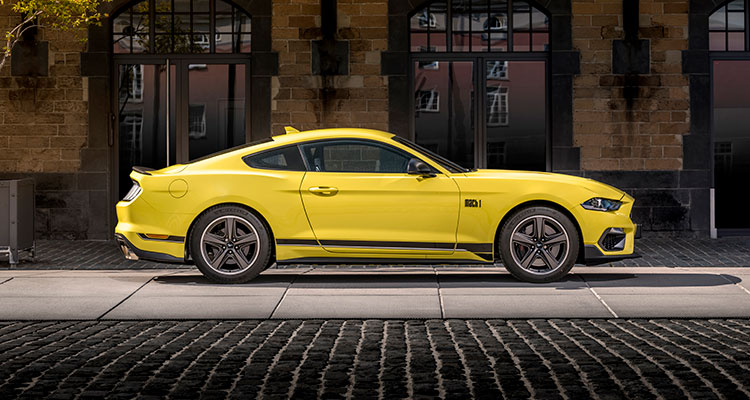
(353, 196)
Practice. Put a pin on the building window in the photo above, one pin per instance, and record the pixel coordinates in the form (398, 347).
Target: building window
(496, 153)
(727, 27)
(181, 26)
(135, 81)
(428, 101)
(471, 26)
(131, 131)
(197, 123)
(723, 157)
(497, 106)
(498, 70)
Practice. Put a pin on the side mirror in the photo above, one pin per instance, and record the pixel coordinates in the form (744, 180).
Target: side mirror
(417, 167)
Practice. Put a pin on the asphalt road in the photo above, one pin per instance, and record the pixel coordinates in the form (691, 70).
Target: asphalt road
(409, 293)
(376, 359)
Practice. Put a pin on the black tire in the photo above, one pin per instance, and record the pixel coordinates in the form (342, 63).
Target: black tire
(242, 258)
(538, 255)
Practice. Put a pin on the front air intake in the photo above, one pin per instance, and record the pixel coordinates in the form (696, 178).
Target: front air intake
(613, 239)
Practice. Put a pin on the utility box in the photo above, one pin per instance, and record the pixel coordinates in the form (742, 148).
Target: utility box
(17, 217)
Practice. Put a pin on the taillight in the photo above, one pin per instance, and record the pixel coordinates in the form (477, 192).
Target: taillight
(133, 192)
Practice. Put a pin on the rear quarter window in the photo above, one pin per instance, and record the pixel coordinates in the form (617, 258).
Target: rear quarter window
(286, 158)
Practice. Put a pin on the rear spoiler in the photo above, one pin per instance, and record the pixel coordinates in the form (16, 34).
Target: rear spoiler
(143, 170)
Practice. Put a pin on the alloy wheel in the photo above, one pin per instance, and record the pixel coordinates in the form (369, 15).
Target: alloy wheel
(539, 244)
(229, 245)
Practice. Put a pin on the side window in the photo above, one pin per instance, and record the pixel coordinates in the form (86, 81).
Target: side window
(285, 158)
(355, 156)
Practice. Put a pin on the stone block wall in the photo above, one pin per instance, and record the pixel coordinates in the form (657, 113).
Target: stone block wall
(44, 119)
(633, 122)
(307, 101)
(44, 132)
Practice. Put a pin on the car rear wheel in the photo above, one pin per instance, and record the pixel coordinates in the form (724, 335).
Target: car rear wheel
(230, 245)
(538, 244)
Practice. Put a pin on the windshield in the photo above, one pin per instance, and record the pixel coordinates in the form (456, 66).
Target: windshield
(444, 162)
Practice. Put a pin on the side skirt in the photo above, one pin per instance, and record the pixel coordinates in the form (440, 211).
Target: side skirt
(357, 260)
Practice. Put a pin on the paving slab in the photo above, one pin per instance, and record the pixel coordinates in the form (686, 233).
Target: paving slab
(578, 304)
(34, 297)
(196, 307)
(355, 306)
(472, 284)
(686, 283)
(679, 305)
(191, 296)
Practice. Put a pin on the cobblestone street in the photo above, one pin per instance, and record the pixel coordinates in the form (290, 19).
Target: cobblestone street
(575, 359)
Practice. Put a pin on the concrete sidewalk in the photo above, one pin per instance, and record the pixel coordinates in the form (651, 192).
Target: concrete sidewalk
(404, 293)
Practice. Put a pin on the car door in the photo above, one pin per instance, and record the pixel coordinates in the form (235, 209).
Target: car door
(359, 199)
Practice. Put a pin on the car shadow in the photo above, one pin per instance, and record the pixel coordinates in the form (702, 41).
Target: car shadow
(388, 280)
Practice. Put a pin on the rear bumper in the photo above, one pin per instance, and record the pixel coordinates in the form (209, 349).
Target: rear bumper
(133, 253)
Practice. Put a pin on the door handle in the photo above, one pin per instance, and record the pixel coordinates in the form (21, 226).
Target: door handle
(323, 190)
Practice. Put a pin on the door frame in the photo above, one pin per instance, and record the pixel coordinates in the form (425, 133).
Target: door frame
(181, 62)
(479, 97)
(719, 56)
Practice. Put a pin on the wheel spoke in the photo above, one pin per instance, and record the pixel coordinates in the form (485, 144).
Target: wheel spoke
(220, 260)
(539, 227)
(556, 239)
(548, 259)
(245, 240)
(528, 258)
(213, 240)
(522, 238)
(240, 258)
(230, 227)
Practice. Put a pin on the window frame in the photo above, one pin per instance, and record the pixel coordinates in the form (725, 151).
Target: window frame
(237, 31)
(305, 167)
(726, 31)
(385, 145)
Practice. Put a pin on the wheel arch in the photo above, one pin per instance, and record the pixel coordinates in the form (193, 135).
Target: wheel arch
(246, 207)
(543, 203)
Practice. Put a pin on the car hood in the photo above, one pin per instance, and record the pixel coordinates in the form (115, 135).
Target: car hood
(597, 188)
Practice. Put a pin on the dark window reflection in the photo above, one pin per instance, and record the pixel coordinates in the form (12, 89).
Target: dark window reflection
(216, 111)
(444, 109)
(516, 121)
(731, 131)
(726, 27)
(142, 92)
(479, 26)
(184, 28)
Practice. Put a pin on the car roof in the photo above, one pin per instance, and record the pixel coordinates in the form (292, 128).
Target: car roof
(331, 133)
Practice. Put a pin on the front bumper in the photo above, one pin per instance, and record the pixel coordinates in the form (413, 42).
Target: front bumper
(593, 254)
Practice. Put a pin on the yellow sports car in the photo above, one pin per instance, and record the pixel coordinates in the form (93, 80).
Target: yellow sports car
(363, 196)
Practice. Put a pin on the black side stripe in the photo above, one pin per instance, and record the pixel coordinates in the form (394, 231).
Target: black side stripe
(176, 239)
(476, 247)
(367, 243)
(472, 247)
(297, 242)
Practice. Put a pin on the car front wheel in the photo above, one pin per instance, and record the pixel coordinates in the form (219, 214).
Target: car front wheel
(230, 245)
(538, 244)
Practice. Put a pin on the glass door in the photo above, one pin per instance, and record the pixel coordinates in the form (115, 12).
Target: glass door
(731, 135)
(146, 130)
(515, 117)
(216, 108)
(444, 108)
(207, 112)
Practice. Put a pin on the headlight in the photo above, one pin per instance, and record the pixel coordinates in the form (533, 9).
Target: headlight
(133, 192)
(600, 204)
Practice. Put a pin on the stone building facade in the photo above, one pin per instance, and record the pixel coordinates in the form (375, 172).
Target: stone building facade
(619, 91)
